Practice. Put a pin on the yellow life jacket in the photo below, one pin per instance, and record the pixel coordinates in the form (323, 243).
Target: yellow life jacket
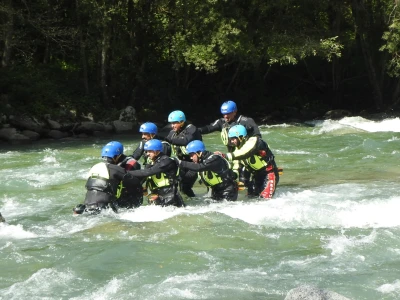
(157, 181)
(211, 178)
(255, 162)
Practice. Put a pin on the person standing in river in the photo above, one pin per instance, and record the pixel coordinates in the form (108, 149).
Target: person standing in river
(231, 118)
(214, 170)
(104, 184)
(149, 131)
(179, 137)
(161, 176)
(257, 158)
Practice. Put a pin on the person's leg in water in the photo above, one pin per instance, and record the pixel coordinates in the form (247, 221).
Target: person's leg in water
(187, 180)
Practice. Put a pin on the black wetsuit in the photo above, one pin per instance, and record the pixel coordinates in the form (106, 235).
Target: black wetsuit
(179, 140)
(132, 192)
(221, 125)
(162, 180)
(215, 173)
(139, 151)
(259, 161)
(101, 191)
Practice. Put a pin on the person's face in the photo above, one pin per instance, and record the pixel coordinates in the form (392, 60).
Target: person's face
(234, 141)
(152, 154)
(194, 157)
(176, 126)
(147, 136)
(229, 117)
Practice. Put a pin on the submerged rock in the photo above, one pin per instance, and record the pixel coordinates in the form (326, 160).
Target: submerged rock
(308, 292)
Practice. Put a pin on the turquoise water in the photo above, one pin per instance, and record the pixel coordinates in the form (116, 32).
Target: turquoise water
(334, 223)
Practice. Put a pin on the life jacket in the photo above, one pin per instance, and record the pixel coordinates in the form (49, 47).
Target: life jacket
(211, 178)
(225, 129)
(160, 180)
(99, 180)
(180, 151)
(261, 159)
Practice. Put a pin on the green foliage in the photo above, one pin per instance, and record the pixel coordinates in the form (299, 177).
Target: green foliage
(392, 46)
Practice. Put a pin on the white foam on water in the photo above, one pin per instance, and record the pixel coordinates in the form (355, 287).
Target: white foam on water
(356, 124)
(389, 288)
(342, 243)
(8, 232)
(42, 282)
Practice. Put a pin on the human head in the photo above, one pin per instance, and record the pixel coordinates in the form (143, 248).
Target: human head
(236, 134)
(195, 149)
(229, 110)
(153, 148)
(112, 152)
(177, 118)
(148, 130)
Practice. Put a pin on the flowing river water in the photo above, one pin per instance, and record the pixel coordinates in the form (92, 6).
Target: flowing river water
(333, 223)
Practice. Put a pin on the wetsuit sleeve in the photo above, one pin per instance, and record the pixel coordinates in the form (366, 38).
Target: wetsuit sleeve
(209, 164)
(139, 150)
(248, 149)
(168, 138)
(251, 126)
(157, 168)
(116, 172)
(215, 126)
(190, 133)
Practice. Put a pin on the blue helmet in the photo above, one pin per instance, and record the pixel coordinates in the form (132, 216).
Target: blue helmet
(228, 107)
(176, 116)
(237, 131)
(112, 149)
(148, 127)
(153, 145)
(195, 146)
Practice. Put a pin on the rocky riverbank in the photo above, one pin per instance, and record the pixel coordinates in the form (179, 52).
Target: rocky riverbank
(20, 129)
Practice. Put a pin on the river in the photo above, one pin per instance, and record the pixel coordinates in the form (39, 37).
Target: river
(333, 223)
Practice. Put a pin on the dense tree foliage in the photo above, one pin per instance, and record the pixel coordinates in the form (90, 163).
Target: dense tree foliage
(99, 56)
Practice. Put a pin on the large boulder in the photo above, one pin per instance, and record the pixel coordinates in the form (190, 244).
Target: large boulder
(34, 136)
(26, 122)
(309, 292)
(128, 115)
(89, 127)
(123, 127)
(12, 136)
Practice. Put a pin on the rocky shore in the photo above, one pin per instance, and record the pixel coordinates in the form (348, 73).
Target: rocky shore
(20, 129)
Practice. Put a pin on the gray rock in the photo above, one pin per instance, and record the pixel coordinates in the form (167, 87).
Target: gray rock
(308, 292)
(89, 127)
(54, 124)
(56, 134)
(122, 127)
(128, 115)
(34, 136)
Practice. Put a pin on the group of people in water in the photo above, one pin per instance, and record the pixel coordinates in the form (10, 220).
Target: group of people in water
(172, 164)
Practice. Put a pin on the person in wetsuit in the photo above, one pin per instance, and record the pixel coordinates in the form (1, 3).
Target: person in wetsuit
(215, 171)
(161, 176)
(258, 159)
(149, 131)
(179, 137)
(229, 119)
(104, 184)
